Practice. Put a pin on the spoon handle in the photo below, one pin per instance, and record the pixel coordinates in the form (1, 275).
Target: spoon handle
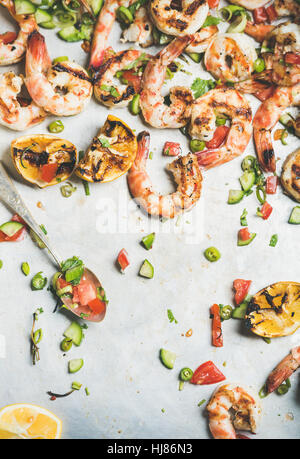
(10, 195)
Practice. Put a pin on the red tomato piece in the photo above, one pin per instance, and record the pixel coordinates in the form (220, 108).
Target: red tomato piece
(292, 58)
(97, 306)
(241, 288)
(260, 15)
(271, 13)
(213, 3)
(17, 218)
(244, 234)
(61, 283)
(217, 336)
(75, 295)
(48, 172)
(219, 137)
(7, 37)
(266, 210)
(86, 292)
(172, 149)
(265, 94)
(272, 183)
(19, 236)
(133, 79)
(123, 259)
(207, 373)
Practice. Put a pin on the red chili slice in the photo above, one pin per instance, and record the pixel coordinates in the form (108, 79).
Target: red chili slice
(241, 288)
(217, 336)
(207, 373)
(123, 259)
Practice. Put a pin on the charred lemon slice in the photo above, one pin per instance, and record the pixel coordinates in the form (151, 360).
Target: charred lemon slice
(275, 310)
(111, 153)
(42, 159)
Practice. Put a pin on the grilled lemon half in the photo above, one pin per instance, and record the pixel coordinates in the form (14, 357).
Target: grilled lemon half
(275, 310)
(111, 153)
(44, 159)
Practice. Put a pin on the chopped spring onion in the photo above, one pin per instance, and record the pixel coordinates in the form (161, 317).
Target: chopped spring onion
(86, 188)
(124, 15)
(227, 12)
(273, 240)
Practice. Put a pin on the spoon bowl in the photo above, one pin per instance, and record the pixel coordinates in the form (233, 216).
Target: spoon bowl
(11, 197)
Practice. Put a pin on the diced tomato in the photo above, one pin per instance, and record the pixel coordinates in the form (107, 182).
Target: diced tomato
(48, 172)
(265, 94)
(7, 37)
(17, 218)
(244, 234)
(272, 183)
(266, 210)
(241, 288)
(260, 15)
(207, 373)
(213, 3)
(75, 294)
(219, 137)
(217, 336)
(19, 235)
(61, 283)
(292, 58)
(123, 259)
(271, 13)
(86, 291)
(172, 149)
(97, 306)
(133, 79)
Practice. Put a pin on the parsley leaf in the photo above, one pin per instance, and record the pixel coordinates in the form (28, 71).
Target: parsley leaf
(211, 20)
(200, 86)
(171, 316)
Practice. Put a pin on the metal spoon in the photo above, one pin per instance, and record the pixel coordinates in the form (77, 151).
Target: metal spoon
(10, 195)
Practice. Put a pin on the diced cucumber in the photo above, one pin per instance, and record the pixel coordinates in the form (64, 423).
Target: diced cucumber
(70, 34)
(247, 180)
(42, 16)
(148, 241)
(147, 270)
(240, 312)
(74, 332)
(288, 122)
(294, 217)
(235, 196)
(11, 228)
(196, 57)
(168, 358)
(63, 291)
(242, 243)
(96, 5)
(75, 365)
(24, 7)
(48, 25)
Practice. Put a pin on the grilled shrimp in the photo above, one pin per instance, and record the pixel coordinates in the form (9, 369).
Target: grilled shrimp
(202, 39)
(230, 57)
(43, 80)
(284, 369)
(290, 176)
(16, 113)
(103, 82)
(154, 110)
(287, 8)
(259, 84)
(140, 31)
(231, 408)
(13, 47)
(186, 174)
(265, 120)
(221, 101)
(176, 21)
(250, 4)
(105, 22)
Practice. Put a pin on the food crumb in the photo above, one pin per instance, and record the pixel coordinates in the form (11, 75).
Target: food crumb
(289, 416)
(40, 205)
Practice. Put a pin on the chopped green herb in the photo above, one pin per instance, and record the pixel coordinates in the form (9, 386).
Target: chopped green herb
(267, 340)
(87, 391)
(111, 89)
(86, 188)
(171, 316)
(104, 142)
(1, 264)
(200, 86)
(201, 402)
(210, 21)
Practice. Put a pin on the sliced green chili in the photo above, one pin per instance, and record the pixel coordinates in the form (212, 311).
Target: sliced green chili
(56, 126)
(197, 145)
(261, 194)
(263, 392)
(248, 163)
(38, 282)
(226, 312)
(25, 268)
(66, 344)
(124, 15)
(284, 387)
(186, 374)
(212, 254)
(259, 65)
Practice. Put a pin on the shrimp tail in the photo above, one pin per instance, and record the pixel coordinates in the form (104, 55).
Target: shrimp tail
(174, 49)
(208, 159)
(37, 56)
(264, 149)
(255, 84)
(284, 370)
(258, 31)
(143, 148)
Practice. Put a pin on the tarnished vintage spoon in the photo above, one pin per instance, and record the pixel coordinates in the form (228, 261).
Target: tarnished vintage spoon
(10, 195)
